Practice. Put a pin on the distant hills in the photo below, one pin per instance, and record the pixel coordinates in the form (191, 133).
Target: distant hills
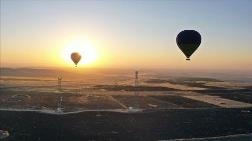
(93, 73)
(26, 72)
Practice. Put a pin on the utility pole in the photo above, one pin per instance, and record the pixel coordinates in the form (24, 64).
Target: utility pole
(136, 90)
(60, 98)
(59, 82)
(136, 78)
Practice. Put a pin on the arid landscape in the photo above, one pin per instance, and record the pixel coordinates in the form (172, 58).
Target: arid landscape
(117, 105)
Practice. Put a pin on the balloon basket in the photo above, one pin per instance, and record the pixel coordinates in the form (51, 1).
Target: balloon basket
(188, 59)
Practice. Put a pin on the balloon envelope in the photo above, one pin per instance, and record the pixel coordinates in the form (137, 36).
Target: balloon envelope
(188, 41)
(75, 56)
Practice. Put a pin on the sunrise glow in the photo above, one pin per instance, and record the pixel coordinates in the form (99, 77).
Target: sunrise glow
(87, 51)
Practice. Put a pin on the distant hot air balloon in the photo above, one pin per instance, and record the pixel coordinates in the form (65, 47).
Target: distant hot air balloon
(188, 41)
(75, 56)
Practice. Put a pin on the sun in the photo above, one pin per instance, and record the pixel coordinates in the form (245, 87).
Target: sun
(85, 49)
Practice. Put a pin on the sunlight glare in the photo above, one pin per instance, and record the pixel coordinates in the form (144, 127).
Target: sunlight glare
(85, 49)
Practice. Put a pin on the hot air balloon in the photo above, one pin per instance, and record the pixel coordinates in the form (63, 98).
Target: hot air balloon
(188, 41)
(75, 56)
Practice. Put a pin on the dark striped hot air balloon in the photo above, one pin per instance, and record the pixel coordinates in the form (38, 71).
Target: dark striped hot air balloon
(188, 41)
(75, 56)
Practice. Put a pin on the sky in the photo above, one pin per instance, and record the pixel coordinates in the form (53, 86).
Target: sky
(126, 34)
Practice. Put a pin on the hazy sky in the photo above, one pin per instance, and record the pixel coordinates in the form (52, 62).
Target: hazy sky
(127, 34)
